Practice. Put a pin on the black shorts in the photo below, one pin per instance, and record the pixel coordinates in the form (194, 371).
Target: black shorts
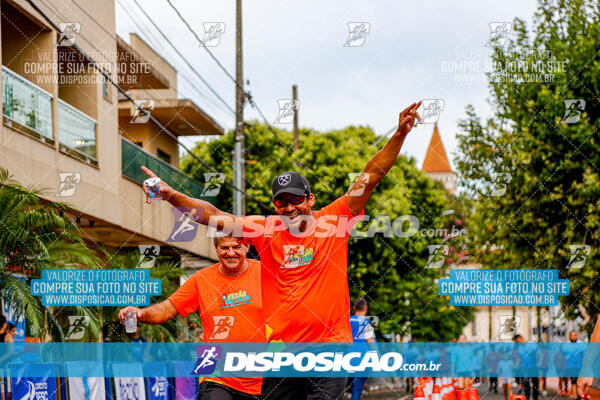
(303, 388)
(214, 391)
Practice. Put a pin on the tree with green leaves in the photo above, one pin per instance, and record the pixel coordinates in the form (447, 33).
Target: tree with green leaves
(388, 271)
(533, 166)
(169, 273)
(35, 236)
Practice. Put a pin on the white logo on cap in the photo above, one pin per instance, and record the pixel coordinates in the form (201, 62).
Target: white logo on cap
(284, 179)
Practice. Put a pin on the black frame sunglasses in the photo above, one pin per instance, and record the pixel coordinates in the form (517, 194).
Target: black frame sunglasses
(281, 203)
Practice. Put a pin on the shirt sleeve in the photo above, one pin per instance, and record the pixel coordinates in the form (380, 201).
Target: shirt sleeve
(340, 209)
(254, 229)
(186, 298)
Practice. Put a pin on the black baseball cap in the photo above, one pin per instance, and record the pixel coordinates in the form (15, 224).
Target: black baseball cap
(290, 182)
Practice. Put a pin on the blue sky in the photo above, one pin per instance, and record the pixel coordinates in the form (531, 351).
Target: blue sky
(413, 50)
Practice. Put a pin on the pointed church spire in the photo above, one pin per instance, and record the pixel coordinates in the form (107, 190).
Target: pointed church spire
(436, 159)
(436, 164)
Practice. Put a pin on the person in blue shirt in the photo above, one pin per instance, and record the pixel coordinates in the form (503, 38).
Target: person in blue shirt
(363, 334)
(573, 356)
(462, 357)
(526, 361)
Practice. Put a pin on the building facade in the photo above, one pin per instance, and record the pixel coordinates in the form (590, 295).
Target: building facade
(67, 129)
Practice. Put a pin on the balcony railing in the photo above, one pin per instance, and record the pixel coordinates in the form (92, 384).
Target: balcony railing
(76, 131)
(133, 157)
(26, 104)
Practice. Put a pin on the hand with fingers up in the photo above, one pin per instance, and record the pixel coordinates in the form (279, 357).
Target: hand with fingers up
(166, 191)
(407, 118)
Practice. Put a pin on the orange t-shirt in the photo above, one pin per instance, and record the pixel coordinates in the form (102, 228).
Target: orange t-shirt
(304, 279)
(230, 309)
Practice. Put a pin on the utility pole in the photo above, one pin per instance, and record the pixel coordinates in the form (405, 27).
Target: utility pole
(239, 207)
(294, 102)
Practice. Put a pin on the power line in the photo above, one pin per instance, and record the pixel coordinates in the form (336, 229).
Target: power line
(238, 85)
(141, 110)
(151, 38)
(157, 44)
(146, 91)
(134, 20)
(205, 47)
(182, 57)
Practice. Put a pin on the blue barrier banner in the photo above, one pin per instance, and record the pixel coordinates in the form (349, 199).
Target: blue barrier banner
(323, 359)
(158, 384)
(90, 384)
(96, 287)
(33, 381)
(129, 382)
(503, 287)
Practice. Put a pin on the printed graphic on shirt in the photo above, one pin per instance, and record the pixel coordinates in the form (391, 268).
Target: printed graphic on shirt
(223, 325)
(295, 255)
(235, 299)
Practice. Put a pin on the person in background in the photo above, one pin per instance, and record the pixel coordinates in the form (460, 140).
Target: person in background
(573, 358)
(493, 359)
(526, 360)
(2, 326)
(505, 370)
(478, 364)
(543, 363)
(9, 333)
(136, 338)
(411, 357)
(462, 359)
(362, 333)
(196, 332)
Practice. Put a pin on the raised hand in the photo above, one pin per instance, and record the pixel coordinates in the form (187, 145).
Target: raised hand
(166, 191)
(406, 121)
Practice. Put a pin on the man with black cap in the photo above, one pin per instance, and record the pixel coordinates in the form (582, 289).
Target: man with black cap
(304, 259)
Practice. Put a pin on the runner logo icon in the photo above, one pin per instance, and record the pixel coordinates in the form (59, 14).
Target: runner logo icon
(223, 325)
(207, 359)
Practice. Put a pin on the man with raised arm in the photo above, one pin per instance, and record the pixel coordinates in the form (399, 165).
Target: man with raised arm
(228, 298)
(304, 259)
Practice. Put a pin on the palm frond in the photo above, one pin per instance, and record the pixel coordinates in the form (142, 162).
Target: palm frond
(18, 294)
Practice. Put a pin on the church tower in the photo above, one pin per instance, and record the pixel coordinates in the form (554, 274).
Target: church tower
(436, 164)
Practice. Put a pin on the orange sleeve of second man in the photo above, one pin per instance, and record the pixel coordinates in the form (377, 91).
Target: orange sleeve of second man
(185, 299)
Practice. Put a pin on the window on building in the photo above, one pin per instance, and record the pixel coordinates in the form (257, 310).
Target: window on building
(473, 329)
(163, 156)
(105, 89)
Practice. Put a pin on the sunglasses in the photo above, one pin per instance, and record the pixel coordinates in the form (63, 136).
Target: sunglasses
(280, 203)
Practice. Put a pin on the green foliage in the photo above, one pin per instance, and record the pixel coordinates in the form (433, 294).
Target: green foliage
(34, 236)
(553, 199)
(388, 271)
(168, 272)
